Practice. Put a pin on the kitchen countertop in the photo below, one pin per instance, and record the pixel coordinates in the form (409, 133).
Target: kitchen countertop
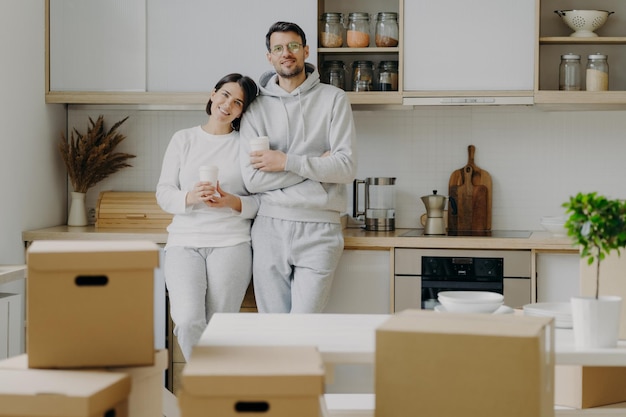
(9, 273)
(354, 238)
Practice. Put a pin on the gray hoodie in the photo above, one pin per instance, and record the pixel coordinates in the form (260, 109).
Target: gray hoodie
(312, 119)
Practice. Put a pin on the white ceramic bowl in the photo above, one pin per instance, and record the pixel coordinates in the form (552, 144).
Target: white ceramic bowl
(470, 301)
(554, 225)
(584, 22)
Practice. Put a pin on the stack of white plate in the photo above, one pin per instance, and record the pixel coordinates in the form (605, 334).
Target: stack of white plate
(562, 313)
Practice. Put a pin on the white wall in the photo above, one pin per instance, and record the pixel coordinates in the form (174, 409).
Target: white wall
(32, 179)
(536, 158)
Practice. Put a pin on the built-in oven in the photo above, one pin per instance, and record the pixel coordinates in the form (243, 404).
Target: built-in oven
(420, 274)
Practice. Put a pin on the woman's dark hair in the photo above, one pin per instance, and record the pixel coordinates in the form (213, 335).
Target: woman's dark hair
(284, 27)
(250, 91)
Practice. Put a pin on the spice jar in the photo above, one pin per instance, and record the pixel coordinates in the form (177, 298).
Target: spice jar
(331, 31)
(386, 29)
(597, 78)
(362, 71)
(358, 35)
(333, 73)
(362, 85)
(388, 76)
(569, 72)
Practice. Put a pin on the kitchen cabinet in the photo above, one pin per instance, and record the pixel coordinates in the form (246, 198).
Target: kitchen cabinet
(554, 40)
(89, 53)
(158, 51)
(558, 276)
(371, 53)
(194, 43)
(466, 50)
(361, 283)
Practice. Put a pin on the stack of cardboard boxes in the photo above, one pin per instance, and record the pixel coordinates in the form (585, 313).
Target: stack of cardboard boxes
(90, 334)
(235, 381)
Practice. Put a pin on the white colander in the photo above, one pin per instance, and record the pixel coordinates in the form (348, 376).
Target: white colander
(584, 22)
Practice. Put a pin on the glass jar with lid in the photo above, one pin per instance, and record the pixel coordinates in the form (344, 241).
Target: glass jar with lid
(331, 30)
(334, 73)
(569, 72)
(386, 29)
(388, 76)
(358, 34)
(362, 75)
(597, 75)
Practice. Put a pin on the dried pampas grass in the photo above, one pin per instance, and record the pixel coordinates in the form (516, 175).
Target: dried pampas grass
(90, 158)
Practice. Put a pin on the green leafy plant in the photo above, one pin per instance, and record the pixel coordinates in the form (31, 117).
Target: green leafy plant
(91, 157)
(598, 225)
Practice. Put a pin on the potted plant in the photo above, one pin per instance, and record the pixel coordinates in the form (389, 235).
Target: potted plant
(597, 225)
(90, 158)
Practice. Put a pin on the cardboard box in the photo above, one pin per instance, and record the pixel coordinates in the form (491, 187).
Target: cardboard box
(235, 381)
(470, 365)
(58, 393)
(589, 386)
(612, 282)
(146, 382)
(90, 303)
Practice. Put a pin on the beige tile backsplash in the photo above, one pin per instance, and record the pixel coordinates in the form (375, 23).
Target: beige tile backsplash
(536, 158)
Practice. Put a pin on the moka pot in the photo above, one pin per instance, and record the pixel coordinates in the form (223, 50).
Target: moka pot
(435, 205)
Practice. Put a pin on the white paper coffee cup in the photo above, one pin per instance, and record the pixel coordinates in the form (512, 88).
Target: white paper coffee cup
(209, 173)
(262, 143)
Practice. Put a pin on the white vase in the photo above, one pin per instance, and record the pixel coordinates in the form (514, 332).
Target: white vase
(596, 321)
(78, 210)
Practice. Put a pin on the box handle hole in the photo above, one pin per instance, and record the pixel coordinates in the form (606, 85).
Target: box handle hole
(91, 280)
(252, 406)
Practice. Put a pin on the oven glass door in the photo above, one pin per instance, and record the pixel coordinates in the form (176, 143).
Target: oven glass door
(459, 274)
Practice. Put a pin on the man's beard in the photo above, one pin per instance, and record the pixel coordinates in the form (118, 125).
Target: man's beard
(294, 73)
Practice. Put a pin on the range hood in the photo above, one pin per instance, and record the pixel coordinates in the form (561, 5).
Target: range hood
(499, 98)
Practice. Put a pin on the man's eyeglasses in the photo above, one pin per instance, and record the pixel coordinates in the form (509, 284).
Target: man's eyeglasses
(293, 47)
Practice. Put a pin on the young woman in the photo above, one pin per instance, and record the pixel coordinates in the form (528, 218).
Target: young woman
(208, 257)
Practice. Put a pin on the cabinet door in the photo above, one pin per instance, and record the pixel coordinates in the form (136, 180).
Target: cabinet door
(97, 45)
(461, 45)
(192, 44)
(558, 276)
(362, 283)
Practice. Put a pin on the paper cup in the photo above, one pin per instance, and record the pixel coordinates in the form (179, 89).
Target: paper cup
(209, 173)
(262, 143)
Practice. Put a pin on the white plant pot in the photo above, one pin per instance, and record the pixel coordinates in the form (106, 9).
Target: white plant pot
(596, 321)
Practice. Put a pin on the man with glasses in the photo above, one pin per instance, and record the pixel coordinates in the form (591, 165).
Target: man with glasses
(297, 236)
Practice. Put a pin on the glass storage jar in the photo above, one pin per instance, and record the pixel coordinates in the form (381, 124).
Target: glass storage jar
(569, 72)
(334, 73)
(362, 75)
(331, 30)
(388, 76)
(597, 76)
(358, 35)
(386, 29)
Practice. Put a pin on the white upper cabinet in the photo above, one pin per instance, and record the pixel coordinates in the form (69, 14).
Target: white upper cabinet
(97, 45)
(193, 43)
(458, 45)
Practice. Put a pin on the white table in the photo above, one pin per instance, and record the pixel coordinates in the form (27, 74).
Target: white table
(351, 339)
(340, 338)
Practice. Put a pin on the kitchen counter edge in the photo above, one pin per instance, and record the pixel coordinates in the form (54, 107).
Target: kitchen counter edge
(354, 238)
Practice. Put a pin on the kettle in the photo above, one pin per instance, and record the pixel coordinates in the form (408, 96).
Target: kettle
(380, 200)
(434, 204)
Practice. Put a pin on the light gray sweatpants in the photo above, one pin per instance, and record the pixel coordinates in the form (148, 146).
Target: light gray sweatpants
(294, 264)
(203, 281)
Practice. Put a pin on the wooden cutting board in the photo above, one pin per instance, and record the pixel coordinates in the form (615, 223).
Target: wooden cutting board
(470, 196)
